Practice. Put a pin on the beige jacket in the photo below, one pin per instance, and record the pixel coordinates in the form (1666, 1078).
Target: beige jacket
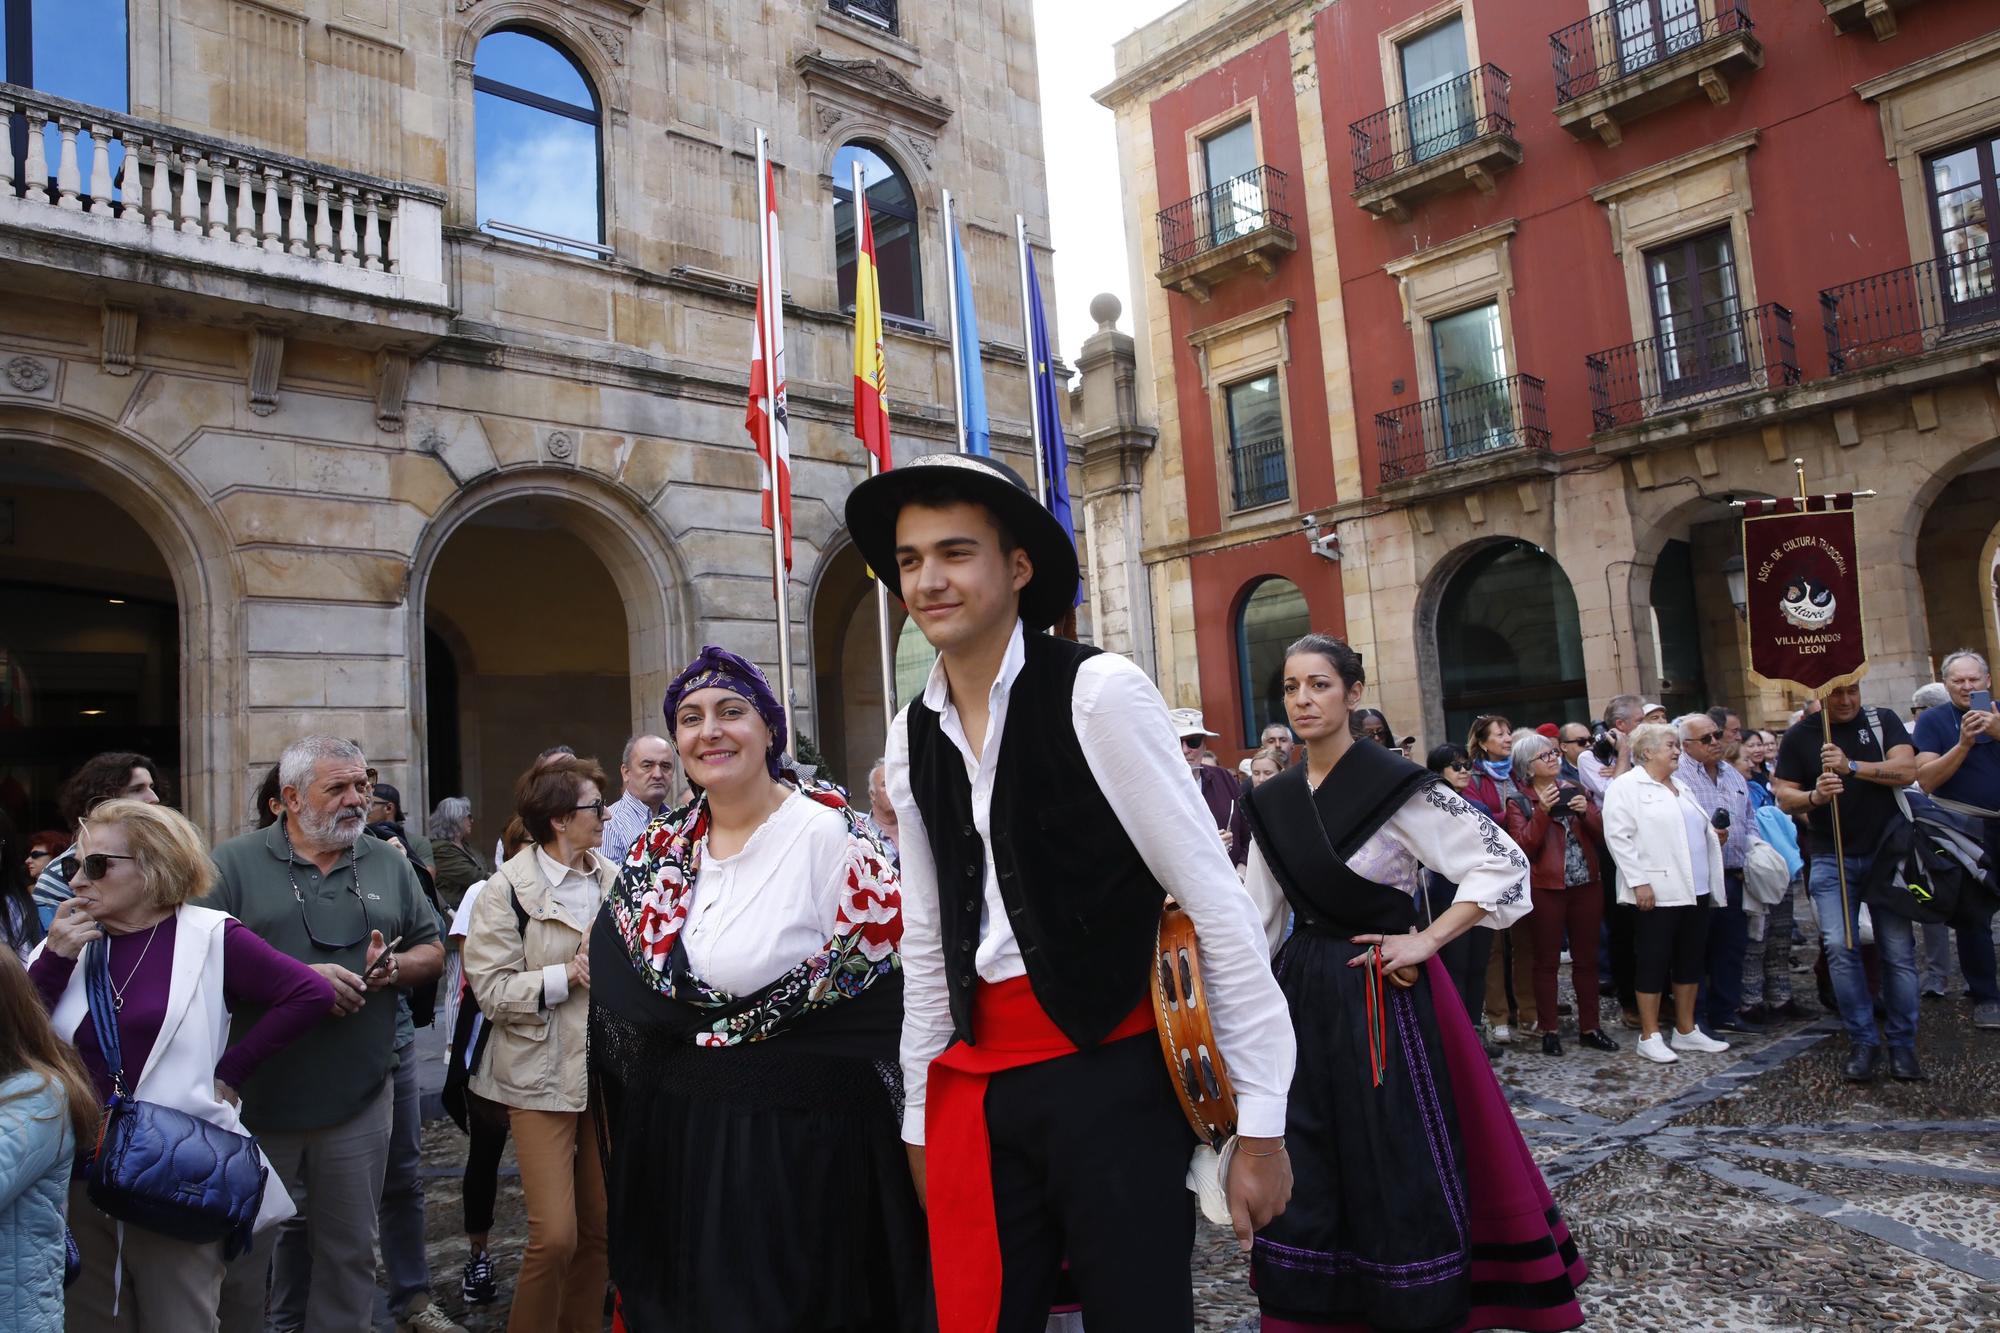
(535, 1058)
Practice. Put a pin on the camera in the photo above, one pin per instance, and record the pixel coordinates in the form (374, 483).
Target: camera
(1603, 747)
(1721, 819)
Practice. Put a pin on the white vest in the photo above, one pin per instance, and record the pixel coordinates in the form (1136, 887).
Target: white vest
(180, 1069)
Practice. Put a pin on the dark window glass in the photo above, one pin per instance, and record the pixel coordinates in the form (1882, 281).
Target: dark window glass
(1965, 198)
(1272, 617)
(1508, 639)
(892, 208)
(1697, 313)
(1475, 410)
(1437, 95)
(1649, 30)
(1235, 194)
(1256, 443)
(536, 132)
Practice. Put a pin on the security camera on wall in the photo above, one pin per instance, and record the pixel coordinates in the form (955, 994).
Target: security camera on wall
(1325, 545)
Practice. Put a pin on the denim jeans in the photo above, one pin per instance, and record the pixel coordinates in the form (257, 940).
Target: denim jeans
(1975, 958)
(1895, 946)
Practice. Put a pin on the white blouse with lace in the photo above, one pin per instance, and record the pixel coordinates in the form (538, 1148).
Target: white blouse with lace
(754, 915)
(1435, 830)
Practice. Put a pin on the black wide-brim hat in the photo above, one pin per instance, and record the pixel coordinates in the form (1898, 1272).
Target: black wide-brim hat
(873, 505)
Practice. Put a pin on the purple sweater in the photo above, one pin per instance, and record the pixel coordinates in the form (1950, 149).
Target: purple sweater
(293, 995)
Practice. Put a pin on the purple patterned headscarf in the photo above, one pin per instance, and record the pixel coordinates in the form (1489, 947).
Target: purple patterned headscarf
(719, 669)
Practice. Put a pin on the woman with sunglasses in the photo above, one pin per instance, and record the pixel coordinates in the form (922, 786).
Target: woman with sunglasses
(1464, 958)
(528, 968)
(744, 1033)
(1415, 1203)
(178, 971)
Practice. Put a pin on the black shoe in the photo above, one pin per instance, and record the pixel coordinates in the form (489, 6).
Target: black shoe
(1903, 1064)
(1596, 1040)
(1760, 1014)
(1551, 1044)
(1492, 1051)
(1741, 1023)
(1863, 1063)
(1794, 1010)
(1563, 1010)
(476, 1286)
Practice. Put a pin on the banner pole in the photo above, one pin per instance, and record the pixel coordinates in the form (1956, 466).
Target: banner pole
(884, 642)
(1826, 724)
(1028, 345)
(773, 299)
(957, 352)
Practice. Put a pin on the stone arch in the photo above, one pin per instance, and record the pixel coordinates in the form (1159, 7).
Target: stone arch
(1451, 686)
(846, 690)
(176, 515)
(645, 566)
(1256, 659)
(1949, 536)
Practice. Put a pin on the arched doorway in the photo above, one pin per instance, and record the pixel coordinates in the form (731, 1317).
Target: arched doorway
(1956, 552)
(1508, 640)
(847, 668)
(89, 639)
(535, 653)
(1268, 620)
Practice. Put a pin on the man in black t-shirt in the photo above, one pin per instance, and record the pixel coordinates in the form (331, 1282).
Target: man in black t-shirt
(1870, 757)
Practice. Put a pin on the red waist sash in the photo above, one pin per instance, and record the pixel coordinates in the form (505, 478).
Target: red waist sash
(1012, 1031)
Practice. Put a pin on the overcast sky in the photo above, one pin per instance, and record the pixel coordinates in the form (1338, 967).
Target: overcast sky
(1086, 206)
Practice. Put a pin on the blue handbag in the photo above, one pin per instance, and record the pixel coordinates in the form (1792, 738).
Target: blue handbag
(160, 1168)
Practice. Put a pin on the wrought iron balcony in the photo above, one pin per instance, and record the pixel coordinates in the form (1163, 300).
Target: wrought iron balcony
(1641, 55)
(1241, 223)
(1751, 351)
(1479, 420)
(875, 13)
(1257, 472)
(1908, 311)
(1878, 16)
(129, 195)
(1457, 134)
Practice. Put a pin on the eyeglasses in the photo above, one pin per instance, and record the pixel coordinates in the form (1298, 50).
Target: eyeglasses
(1547, 754)
(97, 864)
(353, 886)
(597, 805)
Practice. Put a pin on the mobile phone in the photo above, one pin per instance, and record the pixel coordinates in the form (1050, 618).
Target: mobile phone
(1983, 700)
(386, 957)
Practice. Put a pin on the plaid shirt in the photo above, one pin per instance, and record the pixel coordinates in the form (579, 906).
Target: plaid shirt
(1730, 791)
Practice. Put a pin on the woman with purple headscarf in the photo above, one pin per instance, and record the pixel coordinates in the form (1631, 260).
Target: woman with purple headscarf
(744, 1023)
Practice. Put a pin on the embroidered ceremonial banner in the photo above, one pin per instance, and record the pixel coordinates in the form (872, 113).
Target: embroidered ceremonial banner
(1803, 592)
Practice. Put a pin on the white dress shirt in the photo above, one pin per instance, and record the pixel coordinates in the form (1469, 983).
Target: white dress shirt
(1130, 747)
(758, 914)
(1435, 830)
(578, 894)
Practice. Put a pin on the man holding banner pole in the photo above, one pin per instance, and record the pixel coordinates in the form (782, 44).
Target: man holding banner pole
(1803, 608)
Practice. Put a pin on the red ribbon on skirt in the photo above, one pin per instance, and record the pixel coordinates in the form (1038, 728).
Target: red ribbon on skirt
(1012, 1031)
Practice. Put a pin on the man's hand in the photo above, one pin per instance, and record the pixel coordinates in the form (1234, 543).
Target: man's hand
(916, 1152)
(1977, 722)
(1722, 836)
(72, 928)
(225, 1093)
(1228, 839)
(1259, 1186)
(1829, 786)
(1832, 759)
(389, 974)
(1643, 893)
(350, 992)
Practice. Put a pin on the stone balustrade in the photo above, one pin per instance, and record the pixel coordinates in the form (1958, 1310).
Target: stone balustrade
(98, 176)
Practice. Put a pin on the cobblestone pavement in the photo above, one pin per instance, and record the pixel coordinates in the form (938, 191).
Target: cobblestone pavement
(1751, 1190)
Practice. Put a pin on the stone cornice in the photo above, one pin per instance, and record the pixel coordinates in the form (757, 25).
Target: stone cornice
(1201, 48)
(872, 83)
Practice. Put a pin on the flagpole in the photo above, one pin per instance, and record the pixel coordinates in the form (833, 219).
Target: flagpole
(1833, 807)
(883, 639)
(957, 353)
(1028, 346)
(773, 321)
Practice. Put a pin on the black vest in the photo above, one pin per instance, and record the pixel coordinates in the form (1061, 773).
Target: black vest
(1080, 900)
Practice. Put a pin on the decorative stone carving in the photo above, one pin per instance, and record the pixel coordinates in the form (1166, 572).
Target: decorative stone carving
(612, 40)
(267, 356)
(392, 381)
(463, 5)
(121, 339)
(27, 375)
(871, 87)
(561, 446)
(433, 441)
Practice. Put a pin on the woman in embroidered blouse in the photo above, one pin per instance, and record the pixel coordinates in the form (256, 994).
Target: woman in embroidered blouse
(744, 1032)
(1406, 1158)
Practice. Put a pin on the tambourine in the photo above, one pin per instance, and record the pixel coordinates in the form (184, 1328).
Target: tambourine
(1187, 1033)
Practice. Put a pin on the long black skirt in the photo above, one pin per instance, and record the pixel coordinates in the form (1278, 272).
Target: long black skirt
(1376, 1232)
(757, 1187)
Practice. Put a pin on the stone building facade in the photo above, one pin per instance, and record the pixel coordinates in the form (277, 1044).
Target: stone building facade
(1538, 289)
(298, 433)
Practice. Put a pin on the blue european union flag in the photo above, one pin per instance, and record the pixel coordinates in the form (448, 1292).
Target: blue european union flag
(974, 434)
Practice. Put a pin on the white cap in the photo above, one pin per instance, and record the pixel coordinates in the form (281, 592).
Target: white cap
(1646, 708)
(1187, 722)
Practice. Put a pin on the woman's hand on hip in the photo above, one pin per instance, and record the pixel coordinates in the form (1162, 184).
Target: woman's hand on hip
(1400, 953)
(73, 928)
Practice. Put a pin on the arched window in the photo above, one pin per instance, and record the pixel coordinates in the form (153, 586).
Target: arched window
(537, 128)
(892, 207)
(1271, 618)
(1508, 641)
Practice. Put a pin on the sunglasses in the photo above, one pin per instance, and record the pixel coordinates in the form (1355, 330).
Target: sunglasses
(98, 864)
(1706, 738)
(1191, 742)
(1457, 767)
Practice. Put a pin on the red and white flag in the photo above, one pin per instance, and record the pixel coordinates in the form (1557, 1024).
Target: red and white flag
(768, 419)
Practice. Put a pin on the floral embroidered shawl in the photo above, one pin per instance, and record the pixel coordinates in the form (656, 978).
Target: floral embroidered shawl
(649, 908)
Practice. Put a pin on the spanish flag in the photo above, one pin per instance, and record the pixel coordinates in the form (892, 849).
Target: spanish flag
(871, 366)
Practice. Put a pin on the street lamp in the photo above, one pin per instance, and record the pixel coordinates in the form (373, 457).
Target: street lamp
(1739, 596)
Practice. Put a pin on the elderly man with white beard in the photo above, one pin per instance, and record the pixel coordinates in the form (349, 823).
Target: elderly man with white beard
(351, 908)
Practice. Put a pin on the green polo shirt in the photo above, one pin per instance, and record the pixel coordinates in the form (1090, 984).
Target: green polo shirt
(328, 1075)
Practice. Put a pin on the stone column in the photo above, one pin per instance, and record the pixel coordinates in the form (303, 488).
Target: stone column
(1112, 446)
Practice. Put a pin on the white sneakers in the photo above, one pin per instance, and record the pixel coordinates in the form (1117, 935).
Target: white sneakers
(1698, 1040)
(1654, 1048)
(1502, 1034)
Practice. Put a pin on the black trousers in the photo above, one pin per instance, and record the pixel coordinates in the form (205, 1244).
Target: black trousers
(486, 1125)
(1090, 1156)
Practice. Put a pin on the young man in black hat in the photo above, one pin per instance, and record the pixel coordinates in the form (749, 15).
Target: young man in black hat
(1046, 813)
